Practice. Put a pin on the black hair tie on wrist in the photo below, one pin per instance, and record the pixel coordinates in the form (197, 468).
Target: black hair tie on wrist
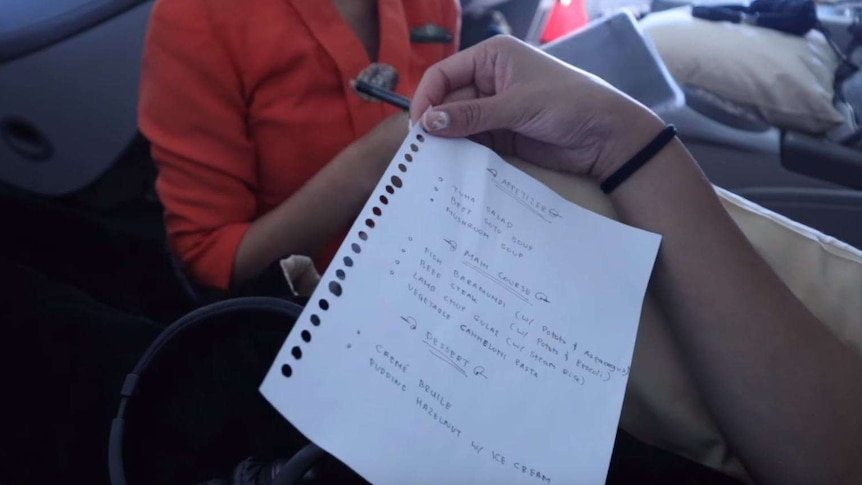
(639, 160)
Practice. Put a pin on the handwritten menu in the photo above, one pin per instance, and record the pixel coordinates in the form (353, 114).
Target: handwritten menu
(474, 327)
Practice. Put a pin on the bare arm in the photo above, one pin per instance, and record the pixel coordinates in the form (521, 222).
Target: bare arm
(317, 213)
(786, 393)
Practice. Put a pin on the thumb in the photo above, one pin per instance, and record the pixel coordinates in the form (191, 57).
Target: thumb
(469, 117)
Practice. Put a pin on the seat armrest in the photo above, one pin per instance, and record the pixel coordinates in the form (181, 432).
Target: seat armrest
(615, 49)
(822, 159)
(33, 25)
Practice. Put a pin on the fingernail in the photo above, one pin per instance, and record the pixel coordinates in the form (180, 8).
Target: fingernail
(434, 120)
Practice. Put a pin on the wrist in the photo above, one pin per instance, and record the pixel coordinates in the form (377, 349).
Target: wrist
(636, 129)
(634, 164)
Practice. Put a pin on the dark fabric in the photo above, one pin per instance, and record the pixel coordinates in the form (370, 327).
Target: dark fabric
(795, 17)
(197, 412)
(63, 357)
(635, 462)
(117, 255)
(791, 16)
(271, 282)
(717, 13)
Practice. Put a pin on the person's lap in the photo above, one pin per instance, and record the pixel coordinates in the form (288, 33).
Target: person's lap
(63, 356)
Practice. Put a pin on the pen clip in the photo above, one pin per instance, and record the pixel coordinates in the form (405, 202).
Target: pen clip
(431, 34)
(369, 91)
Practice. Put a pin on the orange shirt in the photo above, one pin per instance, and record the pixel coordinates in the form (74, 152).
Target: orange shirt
(245, 100)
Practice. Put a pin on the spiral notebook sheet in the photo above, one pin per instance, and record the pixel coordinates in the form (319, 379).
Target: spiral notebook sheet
(474, 327)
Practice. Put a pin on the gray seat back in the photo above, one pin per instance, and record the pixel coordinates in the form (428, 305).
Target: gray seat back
(614, 49)
(68, 91)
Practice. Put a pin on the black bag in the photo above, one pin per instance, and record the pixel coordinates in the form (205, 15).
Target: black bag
(190, 411)
(849, 83)
(795, 17)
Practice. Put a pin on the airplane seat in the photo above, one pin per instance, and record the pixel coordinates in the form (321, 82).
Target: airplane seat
(75, 174)
(614, 49)
(811, 179)
(737, 154)
(526, 19)
(741, 154)
(69, 77)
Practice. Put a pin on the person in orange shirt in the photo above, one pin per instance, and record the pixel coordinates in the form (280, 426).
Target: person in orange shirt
(263, 148)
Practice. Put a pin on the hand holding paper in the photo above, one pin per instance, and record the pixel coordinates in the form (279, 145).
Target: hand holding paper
(474, 328)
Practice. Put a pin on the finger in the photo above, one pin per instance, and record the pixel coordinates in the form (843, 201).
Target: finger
(442, 79)
(472, 116)
(462, 94)
(455, 72)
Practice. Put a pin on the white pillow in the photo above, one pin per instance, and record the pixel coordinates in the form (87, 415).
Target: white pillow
(788, 80)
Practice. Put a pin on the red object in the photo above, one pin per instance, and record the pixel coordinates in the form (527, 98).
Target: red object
(244, 101)
(566, 17)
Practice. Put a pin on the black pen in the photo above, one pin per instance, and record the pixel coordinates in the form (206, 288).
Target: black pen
(382, 94)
